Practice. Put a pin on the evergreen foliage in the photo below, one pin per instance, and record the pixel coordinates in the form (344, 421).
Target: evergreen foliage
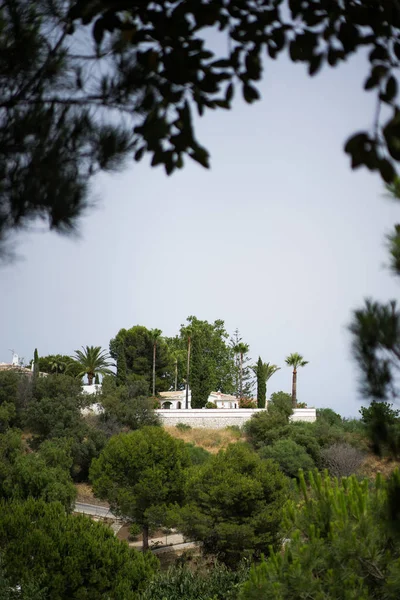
(339, 544)
(140, 474)
(70, 556)
(233, 505)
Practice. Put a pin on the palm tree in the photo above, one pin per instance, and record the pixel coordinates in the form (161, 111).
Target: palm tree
(57, 364)
(295, 360)
(155, 335)
(241, 349)
(93, 360)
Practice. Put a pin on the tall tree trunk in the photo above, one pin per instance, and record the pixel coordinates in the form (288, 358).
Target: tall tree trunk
(188, 373)
(145, 537)
(90, 377)
(294, 389)
(241, 377)
(154, 368)
(176, 374)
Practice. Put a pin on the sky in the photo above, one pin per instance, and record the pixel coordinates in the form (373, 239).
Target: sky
(280, 239)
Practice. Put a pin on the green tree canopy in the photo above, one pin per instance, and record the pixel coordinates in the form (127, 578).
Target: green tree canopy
(233, 504)
(290, 456)
(58, 104)
(71, 556)
(58, 363)
(211, 359)
(140, 474)
(24, 474)
(135, 348)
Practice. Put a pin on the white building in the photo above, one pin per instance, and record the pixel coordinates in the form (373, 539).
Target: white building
(223, 400)
(175, 400)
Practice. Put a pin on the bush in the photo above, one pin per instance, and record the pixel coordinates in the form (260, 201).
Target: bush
(304, 435)
(247, 403)
(281, 402)
(210, 405)
(235, 430)
(329, 416)
(211, 581)
(265, 428)
(198, 455)
(291, 457)
(342, 460)
(183, 426)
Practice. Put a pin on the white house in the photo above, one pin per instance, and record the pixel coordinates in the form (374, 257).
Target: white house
(175, 399)
(223, 400)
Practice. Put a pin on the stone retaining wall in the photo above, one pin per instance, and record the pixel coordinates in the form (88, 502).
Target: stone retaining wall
(221, 418)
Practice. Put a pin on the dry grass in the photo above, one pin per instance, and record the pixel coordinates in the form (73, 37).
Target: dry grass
(212, 440)
(85, 494)
(373, 465)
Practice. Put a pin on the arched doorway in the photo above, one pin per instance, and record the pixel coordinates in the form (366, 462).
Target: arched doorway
(178, 405)
(166, 405)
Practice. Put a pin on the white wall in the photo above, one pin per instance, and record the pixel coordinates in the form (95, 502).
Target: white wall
(220, 418)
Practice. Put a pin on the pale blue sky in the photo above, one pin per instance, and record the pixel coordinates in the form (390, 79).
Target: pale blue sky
(280, 239)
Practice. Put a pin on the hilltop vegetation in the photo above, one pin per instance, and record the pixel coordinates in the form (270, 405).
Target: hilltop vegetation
(227, 489)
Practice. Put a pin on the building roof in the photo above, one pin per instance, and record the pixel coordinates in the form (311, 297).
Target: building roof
(219, 396)
(16, 368)
(172, 394)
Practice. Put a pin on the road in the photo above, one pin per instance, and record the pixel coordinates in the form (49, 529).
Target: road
(94, 510)
(174, 540)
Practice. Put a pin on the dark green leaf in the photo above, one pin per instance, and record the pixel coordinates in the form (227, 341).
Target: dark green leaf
(98, 30)
(315, 64)
(250, 93)
(387, 171)
(229, 92)
(391, 88)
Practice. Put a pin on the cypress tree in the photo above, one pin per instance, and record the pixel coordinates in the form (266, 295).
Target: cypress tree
(35, 363)
(261, 383)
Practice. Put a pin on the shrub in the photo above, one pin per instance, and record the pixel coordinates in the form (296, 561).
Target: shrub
(235, 429)
(198, 455)
(342, 460)
(303, 434)
(211, 405)
(183, 426)
(329, 415)
(247, 403)
(281, 402)
(291, 457)
(211, 581)
(265, 428)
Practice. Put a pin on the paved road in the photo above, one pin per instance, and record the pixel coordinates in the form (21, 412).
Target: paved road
(174, 547)
(94, 510)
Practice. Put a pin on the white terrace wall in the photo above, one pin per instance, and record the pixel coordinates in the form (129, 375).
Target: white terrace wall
(220, 418)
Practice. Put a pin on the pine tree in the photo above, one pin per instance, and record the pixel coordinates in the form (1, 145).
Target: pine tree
(341, 543)
(121, 365)
(243, 381)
